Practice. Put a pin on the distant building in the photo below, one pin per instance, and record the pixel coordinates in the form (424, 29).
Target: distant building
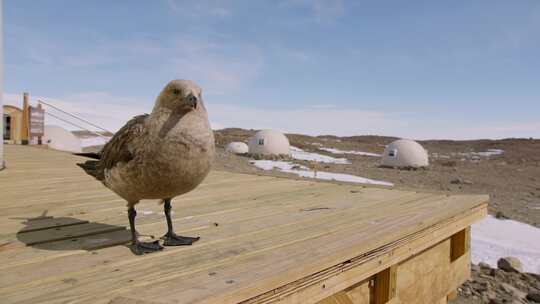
(1, 90)
(237, 147)
(405, 153)
(26, 125)
(12, 124)
(269, 142)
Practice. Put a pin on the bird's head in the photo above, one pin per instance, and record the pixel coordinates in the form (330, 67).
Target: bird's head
(180, 96)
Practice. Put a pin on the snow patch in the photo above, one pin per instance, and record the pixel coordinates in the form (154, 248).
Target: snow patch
(337, 151)
(300, 154)
(492, 239)
(304, 171)
(477, 155)
(94, 141)
(441, 156)
(489, 152)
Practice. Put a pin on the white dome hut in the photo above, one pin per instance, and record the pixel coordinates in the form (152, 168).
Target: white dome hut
(405, 153)
(269, 142)
(237, 147)
(58, 138)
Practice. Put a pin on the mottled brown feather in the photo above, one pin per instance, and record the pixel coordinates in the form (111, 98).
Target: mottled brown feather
(116, 150)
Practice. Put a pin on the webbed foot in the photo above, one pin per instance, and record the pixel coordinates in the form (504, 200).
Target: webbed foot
(171, 239)
(140, 248)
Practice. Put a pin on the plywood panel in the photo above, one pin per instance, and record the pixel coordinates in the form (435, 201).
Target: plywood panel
(338, 298)
(459, 243)
(361, 293)
(385, 285)
(425, 278)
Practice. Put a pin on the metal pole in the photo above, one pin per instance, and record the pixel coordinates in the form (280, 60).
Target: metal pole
(39, 139)
(25, 120)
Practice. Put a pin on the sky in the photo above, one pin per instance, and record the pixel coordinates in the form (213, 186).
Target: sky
(416, 69)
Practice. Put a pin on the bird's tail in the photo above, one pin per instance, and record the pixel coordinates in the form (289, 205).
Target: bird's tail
(89, 155)
(90, 167)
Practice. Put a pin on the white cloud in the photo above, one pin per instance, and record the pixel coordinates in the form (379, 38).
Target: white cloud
(219, 64)
(323, 10)
(201, 8)
(306, 121)
(322, 106)
(218, 67)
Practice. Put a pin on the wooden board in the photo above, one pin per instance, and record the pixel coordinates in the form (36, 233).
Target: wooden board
(263, 238)
(431, 276)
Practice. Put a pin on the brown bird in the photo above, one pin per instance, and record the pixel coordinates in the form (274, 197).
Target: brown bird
(159, 156)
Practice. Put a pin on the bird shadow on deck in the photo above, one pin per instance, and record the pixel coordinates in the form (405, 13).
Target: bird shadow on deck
(68, 233)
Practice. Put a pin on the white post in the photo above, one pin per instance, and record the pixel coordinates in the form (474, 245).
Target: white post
(1, 88)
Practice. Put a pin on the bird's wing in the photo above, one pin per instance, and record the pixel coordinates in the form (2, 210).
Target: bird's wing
(116, 150)
(89, 155)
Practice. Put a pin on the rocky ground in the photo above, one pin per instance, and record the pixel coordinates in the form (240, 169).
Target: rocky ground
(505, 284)
(512, 180)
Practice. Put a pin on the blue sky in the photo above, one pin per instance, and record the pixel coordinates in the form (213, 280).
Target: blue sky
(419, 69)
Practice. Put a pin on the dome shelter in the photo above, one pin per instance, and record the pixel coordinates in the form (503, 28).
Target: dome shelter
(269, 142)
(237, 147)
(405, 153)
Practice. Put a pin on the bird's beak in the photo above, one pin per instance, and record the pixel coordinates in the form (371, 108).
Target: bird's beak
(192, 101)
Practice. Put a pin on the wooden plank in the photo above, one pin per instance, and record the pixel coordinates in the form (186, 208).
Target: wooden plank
(460, 271)
(49, 222)
(338, 298)
(427, 277)
(267, 218)
(285, 268)
(361, 293)
(65, 233)
(342, 278)
(459, 244)
(257, 211)
(214, 253)
(452, 295)
(385, 285)
(281, 254)
(196, 208)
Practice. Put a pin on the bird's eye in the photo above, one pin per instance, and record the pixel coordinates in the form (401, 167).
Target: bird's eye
(176, 91)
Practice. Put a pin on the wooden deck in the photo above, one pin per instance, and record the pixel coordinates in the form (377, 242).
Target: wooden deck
(263, 239)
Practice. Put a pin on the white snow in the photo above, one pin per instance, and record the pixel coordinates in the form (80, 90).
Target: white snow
(337, 151)
(304, 171)
(93, 141)
(492, 239)
(490, 152)
(477, 155)
(438, 155)
(300, 154)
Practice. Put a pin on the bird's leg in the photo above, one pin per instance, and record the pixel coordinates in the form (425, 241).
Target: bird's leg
(138, 247)
(171, 239)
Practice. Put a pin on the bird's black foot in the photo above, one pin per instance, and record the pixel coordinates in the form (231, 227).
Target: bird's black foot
(140, 248)
(171, 239)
